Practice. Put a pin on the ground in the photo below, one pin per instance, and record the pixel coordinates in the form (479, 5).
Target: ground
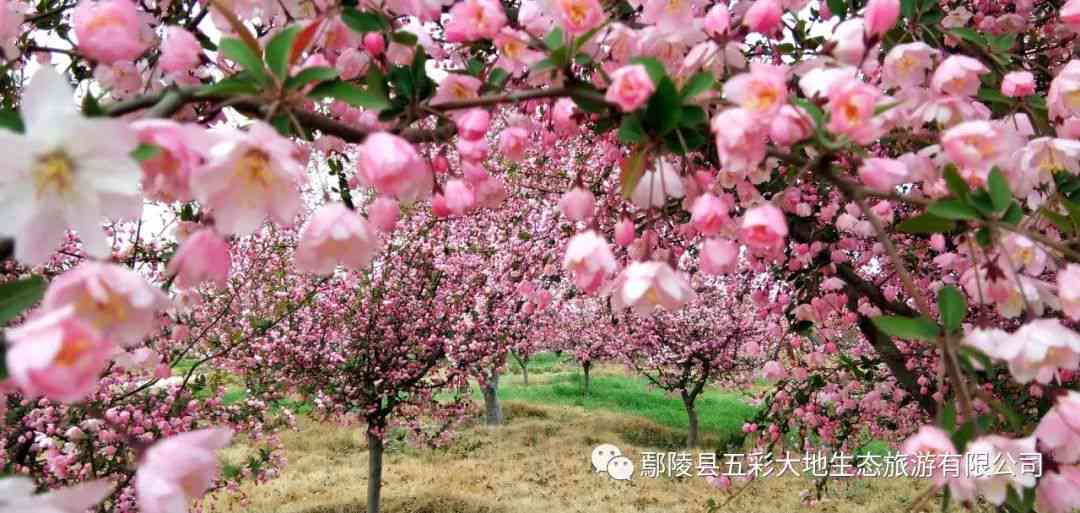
(539, 461)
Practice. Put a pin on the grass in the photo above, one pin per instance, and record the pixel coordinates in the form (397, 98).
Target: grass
(721, 414)
(538, 461)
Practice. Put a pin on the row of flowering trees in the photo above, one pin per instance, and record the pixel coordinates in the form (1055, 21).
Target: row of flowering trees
(894, 179)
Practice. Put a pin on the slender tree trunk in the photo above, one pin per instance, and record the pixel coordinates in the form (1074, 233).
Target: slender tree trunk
(525, 370)
(586, 366)
(692, 440)
(491, 402)
(374, 489)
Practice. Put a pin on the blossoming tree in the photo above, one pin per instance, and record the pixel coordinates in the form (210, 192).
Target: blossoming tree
(902, 171)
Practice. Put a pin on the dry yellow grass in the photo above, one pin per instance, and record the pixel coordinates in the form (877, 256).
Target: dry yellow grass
(537, 463)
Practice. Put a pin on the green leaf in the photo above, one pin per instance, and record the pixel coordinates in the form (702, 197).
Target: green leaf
(953, 308)
(908, 328)
(279, 50)
(91, 107)
(692, 116)
(1014, 214)
(956, 183)
(947, 416)
(235, 50)
(366, 21)
(497, 79)
(404, 37)
(308, 75)
(630, 130)
(907, 8)
(699, 83)
(11, 120)
(838, 8)
(992, 95)
(376, 83)
(631, 169)
(983, 237)
(968, 34)
(1000, 195)
(1002, 43)
(555, 39)
(926, 223)
(350, 94)
(145, 152)
(542, 66)
(17, 296)
(953, 209)
(238, 84)
(664, 108)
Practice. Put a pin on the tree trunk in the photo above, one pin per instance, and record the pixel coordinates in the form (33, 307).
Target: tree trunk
(374, 488)
(586, 366)
(692, 424)
(525, 371)
(491, 402)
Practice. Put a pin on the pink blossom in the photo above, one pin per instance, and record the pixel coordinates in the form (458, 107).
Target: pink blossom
(1059, 489)
(932, 444)
(180, 51)
(1017, 84)
(906, 65)
(57, 355)
(1059, 430)
(473, 124)
(513, 141)
(791, 125)
(719, 256)
(335, 235)
(646, 286)
(383, 213)
(657, 185)
(630, 87)
(1070, 15)
(851, 106)
(392, 166)
(562, 116)
(883, 174)
(773, 371)
(456, 87)
(1037, 351)
(473, 20)
(1063, 98)
(181, 149)
(19, 497)
(374, 44)
(761, 92)
(577, 204)
(977, 146)
(624, 232)
(179, 470)
(850, 42)
(881, 15)
(993, 483)
(709, 215)
(764, 227)
(763, 16)
(958, 75)
(739, 140)
(459, 196)
(589, 259)
(202, 257)
(717, 20)
(113, 299)
(249, 176)
(579, 16)
(108, 30)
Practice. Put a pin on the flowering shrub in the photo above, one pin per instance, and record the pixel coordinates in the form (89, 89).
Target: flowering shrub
(357, 194)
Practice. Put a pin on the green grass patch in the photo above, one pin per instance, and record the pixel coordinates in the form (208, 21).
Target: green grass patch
(720, 414)
(544, 363)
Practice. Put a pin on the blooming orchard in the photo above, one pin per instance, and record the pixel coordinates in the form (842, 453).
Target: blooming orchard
(373, 199)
